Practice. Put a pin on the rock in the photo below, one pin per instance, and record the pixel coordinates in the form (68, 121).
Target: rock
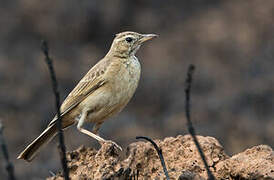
(253, 163)
(181, 157)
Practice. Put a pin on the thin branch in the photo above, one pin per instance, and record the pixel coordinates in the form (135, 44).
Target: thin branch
(191, 129)
(9, 165)
(61, 146)
(136, 175)
(160, 154)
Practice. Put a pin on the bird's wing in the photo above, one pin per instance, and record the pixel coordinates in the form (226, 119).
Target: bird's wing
(88, 84)
(79, 93)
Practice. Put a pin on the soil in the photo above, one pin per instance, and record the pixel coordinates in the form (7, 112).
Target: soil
(181, 157)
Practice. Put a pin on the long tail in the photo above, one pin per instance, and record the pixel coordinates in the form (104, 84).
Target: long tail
(45, 137)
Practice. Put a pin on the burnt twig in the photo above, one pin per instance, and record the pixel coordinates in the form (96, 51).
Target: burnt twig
(191, 130)
(159, 151)
(9, 165)
(61, 145)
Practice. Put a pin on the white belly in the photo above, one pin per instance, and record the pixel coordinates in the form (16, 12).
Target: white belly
(128, 80)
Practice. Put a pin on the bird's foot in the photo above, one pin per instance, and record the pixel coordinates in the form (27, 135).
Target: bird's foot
(112, 142)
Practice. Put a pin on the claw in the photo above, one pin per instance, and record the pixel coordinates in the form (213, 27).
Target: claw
(114, 143)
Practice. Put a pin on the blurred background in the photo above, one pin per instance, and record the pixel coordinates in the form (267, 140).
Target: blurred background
(230, 42)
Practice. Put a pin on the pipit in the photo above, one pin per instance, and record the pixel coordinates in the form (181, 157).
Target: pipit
(103, 92)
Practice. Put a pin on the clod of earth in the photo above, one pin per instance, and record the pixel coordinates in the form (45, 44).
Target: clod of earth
(181, 156)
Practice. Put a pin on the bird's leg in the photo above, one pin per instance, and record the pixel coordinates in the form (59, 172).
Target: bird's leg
(81, 123)
(96, 128)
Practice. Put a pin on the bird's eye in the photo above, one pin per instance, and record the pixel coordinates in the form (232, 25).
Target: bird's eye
(129, 39)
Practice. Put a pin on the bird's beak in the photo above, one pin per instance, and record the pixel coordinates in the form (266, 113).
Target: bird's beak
(146, 37)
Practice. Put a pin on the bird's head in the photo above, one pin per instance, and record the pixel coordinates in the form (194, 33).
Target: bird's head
(126, 44)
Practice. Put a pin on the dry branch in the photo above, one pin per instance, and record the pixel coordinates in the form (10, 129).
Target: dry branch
(160, 154)
(61, 145)
(190, 127)
(9, 165)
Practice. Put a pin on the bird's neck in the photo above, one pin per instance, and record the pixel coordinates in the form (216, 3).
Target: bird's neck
(124, 58)
(121, 51)
(119, 54)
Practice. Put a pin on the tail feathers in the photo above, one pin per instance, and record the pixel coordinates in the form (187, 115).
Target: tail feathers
(31, 150)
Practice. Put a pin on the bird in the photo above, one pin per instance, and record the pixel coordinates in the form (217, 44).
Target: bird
(102, 93)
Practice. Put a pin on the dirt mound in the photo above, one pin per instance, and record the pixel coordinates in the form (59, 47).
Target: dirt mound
(181, 156)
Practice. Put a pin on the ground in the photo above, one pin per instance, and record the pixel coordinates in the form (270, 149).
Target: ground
(182, 160)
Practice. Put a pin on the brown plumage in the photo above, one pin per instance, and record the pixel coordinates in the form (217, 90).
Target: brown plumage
(103, 92)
